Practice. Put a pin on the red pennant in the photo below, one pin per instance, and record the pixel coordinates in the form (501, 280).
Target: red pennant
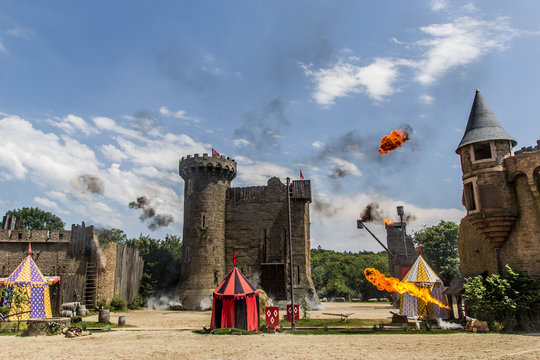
(301, 175)
(215, 153)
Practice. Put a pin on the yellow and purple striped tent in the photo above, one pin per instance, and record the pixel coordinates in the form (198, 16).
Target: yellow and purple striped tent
(29, 278)
(422, 275)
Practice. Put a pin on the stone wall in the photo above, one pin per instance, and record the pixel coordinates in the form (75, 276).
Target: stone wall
(67, 254)
(521, 249)
(257, 231)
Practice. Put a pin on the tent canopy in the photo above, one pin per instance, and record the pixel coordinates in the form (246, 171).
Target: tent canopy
(423, 276)
(421, 272)
(28, 277)
(235, 303)
(235, 284)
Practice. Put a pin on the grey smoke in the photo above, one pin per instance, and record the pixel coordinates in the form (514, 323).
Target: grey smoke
(371, 213)
(261, 126)
(149, 215)
(338, 172)
(144, 120)
(89, 183)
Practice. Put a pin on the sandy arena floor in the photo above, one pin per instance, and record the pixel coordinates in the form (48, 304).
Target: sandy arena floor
(156, 337)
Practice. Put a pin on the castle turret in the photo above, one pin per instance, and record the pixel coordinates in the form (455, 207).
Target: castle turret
(207, 179)
(487, 195)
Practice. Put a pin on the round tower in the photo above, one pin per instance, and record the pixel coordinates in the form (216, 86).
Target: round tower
(487, 194)
(207, 179)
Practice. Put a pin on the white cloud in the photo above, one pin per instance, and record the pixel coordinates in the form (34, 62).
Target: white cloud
(108, 124)
(113, 153)
(258, 172)
(317, 144)
(342, 168)
(333, 219)
(179, 114)
(242, 142)
(49, 204)
(426, 99)
(446, 47)
(438, 5)
(56, 163)
(346, 78)
(72, 123)
(459, 43)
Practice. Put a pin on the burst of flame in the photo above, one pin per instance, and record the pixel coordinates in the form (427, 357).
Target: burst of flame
(393, 140)
(392, 284)
(387, 222)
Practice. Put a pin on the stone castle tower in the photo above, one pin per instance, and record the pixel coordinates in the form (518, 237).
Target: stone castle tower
(501, 226)
(251, 222)
(207, 180)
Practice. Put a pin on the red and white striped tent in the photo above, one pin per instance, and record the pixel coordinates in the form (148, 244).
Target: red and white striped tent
(236, 303)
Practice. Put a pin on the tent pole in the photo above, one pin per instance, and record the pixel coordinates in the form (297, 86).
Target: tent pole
(293, 327)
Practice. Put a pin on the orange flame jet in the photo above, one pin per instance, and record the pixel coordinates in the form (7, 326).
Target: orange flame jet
(392, 284)
(387, 222)
(393, 140)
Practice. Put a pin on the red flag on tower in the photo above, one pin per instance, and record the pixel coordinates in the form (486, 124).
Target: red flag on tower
(215, 153)
(301, 175)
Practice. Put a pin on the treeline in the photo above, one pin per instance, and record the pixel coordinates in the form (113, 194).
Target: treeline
(341, 274)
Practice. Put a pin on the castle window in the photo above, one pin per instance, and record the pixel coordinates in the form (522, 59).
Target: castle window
(470, 198)
(60, 236)
(203, 220)
(20, 236)
(482, 151)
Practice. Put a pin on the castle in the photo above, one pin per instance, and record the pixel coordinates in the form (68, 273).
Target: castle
(501, 193)
(252, 223)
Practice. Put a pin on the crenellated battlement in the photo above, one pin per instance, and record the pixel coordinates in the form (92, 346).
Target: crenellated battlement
(220, 166)
(35, 235)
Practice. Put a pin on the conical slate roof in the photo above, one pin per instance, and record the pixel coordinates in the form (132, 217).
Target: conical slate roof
(483, 125)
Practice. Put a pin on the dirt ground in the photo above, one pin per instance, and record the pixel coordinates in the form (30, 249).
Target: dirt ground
(157, 336)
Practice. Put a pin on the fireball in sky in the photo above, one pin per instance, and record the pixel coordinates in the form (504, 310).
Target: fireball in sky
(393, 140)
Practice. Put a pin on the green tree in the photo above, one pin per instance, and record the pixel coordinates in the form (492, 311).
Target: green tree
(440, 248)
(106, 236)
(342, 274)
(509, 299)
(37, 219)
(161, 270)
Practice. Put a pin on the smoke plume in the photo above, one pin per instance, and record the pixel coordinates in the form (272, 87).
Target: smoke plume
(89, 184)
(149, 215)
(261, 127)
(371, 213)
(338, 172)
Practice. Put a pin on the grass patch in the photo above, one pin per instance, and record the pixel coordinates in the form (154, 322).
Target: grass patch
(335, 322)
(352, 331)
(227, 331)
(95, 324)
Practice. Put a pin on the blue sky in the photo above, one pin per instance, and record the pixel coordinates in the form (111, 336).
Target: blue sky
(99, 100)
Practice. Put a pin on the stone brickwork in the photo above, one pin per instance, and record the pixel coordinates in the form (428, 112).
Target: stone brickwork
(251, 222)
(70, 255)
(508, 230)
(402, 252)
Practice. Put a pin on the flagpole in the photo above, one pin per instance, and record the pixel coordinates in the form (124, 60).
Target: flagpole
(293, 327)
